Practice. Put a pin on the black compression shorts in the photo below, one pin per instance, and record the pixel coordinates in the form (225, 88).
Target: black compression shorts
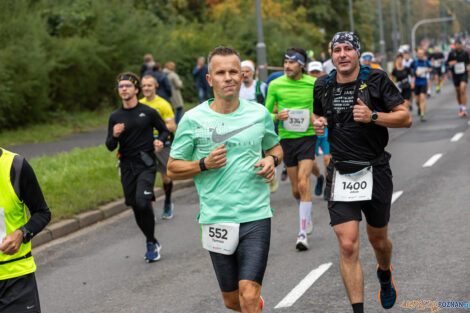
(19, 295)
(459, 78)
(298, 149)
(376, 211)
(249, 260)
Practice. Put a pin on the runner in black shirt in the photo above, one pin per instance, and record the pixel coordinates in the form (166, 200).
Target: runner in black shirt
(458, 62)
(132, 127)
(401, 76)
(437, 61)
(358, 104)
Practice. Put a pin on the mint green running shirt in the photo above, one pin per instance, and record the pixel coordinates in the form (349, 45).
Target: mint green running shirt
(233, 193)
(291, 94)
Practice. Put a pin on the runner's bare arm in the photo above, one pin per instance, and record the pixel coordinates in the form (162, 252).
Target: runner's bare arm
(398, 118)
(171, 125)
(181, 169)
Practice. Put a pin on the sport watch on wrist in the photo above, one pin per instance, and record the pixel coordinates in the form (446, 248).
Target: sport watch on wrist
(276, 159)
(27, 235)
(202, 165)
(374, 116)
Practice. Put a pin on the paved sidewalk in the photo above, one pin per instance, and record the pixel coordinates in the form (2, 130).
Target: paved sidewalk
(93, 138)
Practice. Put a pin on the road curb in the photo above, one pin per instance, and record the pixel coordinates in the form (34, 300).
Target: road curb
(82, 220)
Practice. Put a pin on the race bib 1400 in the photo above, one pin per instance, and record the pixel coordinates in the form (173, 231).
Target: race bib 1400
(220, 238)
(353, 187)
(298, 120)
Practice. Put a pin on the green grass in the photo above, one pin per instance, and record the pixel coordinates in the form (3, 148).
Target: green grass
(78, 181)
(61, 124)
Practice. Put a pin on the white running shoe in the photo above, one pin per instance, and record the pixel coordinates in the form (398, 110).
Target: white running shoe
(302, 243)
(310, 227)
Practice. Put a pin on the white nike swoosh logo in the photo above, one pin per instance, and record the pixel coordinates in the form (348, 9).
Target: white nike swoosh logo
(222, 137)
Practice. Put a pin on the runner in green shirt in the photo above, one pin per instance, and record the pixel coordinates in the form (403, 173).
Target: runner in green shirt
(293, 96)
(219, 143)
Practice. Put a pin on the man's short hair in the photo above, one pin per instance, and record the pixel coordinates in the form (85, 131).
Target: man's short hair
(129, 76)
(302, 52)
(170, 65)
(150, 76)
(222, 51)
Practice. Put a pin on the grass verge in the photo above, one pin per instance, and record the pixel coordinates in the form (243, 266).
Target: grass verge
(79, 180)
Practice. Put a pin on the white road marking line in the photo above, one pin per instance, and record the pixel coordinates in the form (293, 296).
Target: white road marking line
(396, 195)
(432, 160)
(304, 284)
(456, 137)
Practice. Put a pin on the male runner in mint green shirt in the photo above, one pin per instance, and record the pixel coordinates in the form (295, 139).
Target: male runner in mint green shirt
(219, 143)
(293, 96)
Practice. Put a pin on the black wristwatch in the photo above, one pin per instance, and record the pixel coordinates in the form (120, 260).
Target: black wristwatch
(202, 166)
(27, 235)
(374, 116)
(276, 160)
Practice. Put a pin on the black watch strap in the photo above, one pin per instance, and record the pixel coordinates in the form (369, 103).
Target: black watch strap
(276, 160)
(202, 165)
(27, 235)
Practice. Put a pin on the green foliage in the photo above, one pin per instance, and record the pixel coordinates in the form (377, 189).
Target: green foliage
(24, 65)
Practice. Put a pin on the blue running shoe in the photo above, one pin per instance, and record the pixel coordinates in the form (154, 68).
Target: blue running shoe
(319, 186)
(388, 291)
(153, 252)
(168, 211)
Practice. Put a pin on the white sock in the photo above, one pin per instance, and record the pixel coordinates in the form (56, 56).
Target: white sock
(305, 210)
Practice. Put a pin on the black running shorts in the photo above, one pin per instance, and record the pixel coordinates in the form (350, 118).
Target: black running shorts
(249, 260)
(376, 211)
(406, 93)
(19, 295)
(298, 149)
(137, 181)
(459, 78)
(421, 89)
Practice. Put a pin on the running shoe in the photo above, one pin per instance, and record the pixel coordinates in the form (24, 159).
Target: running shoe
(284, 174)
(422, 118)
(168, 211)
(388, 291)
(153, 252)
(325, 196)
(310, 227)
(274, 185)
(302, 243)
(261, 303)
(319, 186)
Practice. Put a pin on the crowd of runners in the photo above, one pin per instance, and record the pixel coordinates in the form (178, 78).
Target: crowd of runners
(338, 109)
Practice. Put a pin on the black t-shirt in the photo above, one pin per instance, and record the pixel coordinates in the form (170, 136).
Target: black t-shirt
(461, 56)
(26, 187)
(402, 75)
(358, 141)
(137, 136)
(437, 59)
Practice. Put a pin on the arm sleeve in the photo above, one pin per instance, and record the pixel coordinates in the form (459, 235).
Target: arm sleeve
(111, 141)
(183, 145)
(270, 101)
(270, 138)
(31, 194)
(159, 125)
(317, 96)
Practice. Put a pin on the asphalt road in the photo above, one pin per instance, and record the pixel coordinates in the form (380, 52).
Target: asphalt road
(102, 269)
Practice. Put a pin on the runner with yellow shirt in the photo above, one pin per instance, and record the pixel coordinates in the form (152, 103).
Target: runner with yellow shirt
(149, 86)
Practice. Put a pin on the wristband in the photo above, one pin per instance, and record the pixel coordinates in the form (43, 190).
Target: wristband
(202, 166)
